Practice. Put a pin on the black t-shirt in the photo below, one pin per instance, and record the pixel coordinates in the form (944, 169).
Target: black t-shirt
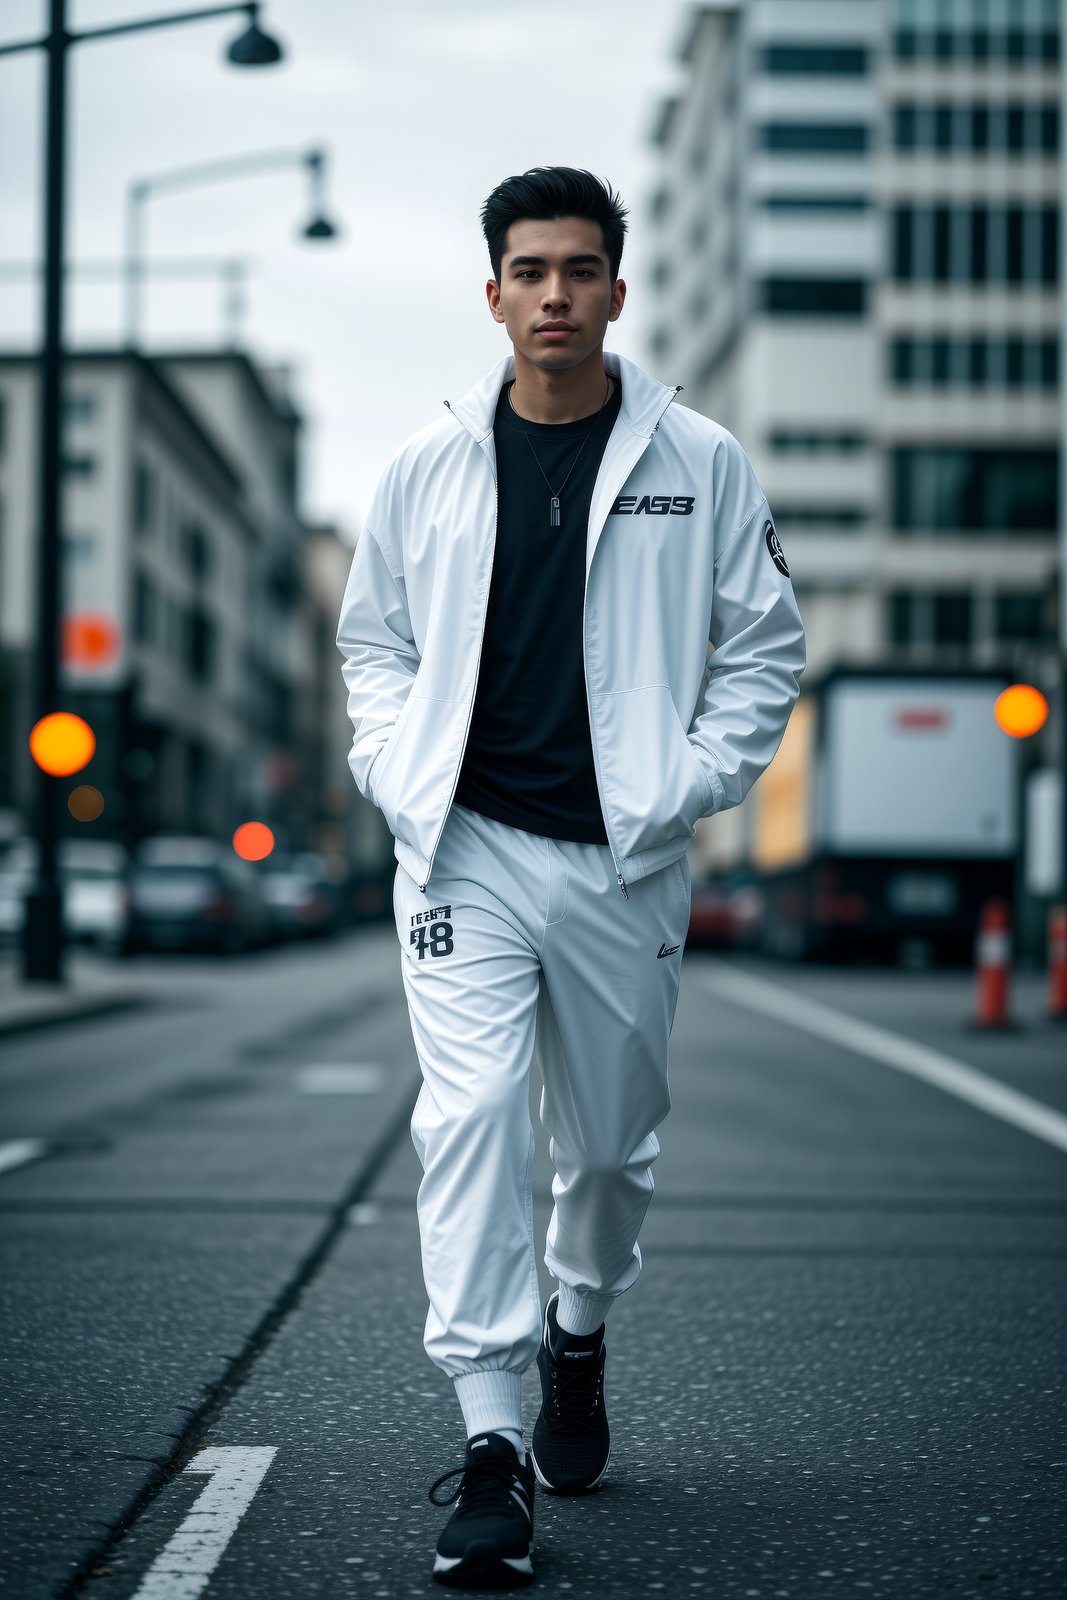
(529, 756)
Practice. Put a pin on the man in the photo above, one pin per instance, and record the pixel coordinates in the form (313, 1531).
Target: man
(525, 632)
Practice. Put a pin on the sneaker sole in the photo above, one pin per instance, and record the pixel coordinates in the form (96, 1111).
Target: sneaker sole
(584, 1488)
(483, 1567)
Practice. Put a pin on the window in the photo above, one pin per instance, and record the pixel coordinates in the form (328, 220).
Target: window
(901, 359)
(1049, 363)
(946, 489)
(660, 204)
(846, 60)
(660, 343)
(819, 516)
(824, 297)
(974, 361)
(200, 646)
(144, 497)
(79, 546)
(79, 408)
(79, 466)
(815, 202)
(899, 618)
(1022, 617)
(952, 618)
(921, 236)
(904, 127)
(786, 440)
(939, 365)
(145, 620)
(903, 254)
(815, 138)
(197, 551)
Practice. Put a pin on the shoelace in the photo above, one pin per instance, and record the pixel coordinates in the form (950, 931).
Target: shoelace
(483, 1485)
(574, 1394)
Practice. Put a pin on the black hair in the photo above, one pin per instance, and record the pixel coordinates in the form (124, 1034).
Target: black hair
(549, 192)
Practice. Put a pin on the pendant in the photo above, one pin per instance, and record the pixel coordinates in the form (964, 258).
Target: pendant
(553, 511)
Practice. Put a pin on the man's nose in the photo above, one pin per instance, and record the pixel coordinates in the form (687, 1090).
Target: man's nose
(556, 292)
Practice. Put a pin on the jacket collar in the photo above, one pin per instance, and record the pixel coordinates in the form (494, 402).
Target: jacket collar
(644, 398)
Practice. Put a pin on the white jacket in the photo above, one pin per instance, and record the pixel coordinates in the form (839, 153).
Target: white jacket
(680, 551)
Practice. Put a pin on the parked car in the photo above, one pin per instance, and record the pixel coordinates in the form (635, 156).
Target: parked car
(301, 900)
(93, 886)
(711, 916)
(190, 893)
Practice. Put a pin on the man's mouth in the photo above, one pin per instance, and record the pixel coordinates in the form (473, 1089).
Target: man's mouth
(555, 330)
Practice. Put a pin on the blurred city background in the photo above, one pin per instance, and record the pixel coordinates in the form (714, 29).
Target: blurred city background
(846, 234)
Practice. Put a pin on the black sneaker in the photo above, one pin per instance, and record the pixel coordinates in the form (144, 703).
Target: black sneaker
(571, 1443)
(485, 1544)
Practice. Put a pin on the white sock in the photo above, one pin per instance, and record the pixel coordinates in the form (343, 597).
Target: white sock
(515, 1436)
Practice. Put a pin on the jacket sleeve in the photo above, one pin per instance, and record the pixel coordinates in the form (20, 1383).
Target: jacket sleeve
(380, 658)
(756, 663)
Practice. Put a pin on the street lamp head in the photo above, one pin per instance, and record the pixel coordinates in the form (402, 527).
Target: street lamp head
(254, 48)
(320, 228)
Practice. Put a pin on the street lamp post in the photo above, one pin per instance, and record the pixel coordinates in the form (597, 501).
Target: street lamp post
(192, 177)
(42, 933)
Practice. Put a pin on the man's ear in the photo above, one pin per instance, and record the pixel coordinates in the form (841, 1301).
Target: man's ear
(618, 297)
(492, 294)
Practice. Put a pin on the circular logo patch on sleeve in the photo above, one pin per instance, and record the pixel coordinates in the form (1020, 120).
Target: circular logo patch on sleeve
(774, 545)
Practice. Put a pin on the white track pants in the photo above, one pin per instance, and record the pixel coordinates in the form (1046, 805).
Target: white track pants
(524, 945)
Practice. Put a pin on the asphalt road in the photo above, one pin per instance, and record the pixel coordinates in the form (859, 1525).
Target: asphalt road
(841, 1371)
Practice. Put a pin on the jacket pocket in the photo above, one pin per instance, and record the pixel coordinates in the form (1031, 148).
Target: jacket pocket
(654, 785)
(412, 786)
(388, 750)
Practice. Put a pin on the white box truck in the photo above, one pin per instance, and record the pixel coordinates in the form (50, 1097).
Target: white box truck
(889, 814)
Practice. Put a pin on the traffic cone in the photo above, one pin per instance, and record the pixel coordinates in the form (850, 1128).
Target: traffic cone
(993, 967)
(1057, 964)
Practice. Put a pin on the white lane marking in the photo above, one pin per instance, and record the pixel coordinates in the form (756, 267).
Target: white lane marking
(892, 1050)
(16, 1152)
(330, 1077)
(363, 1214)
(183, 1567)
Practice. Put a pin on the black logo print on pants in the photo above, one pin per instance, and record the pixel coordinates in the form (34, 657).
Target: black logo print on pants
(432, 932)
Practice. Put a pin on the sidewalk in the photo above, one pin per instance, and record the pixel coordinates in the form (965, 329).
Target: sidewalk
(93, 986)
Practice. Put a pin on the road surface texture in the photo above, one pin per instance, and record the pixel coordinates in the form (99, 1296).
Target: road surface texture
(840, 1372)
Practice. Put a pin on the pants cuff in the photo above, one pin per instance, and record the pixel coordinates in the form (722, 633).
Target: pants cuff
(490, 1399)
(582, 1313)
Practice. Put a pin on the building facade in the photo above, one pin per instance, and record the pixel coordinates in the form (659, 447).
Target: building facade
(856, 270)
(189, 638)
(856, 226)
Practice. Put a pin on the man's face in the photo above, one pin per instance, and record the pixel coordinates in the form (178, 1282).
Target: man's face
(555, 272)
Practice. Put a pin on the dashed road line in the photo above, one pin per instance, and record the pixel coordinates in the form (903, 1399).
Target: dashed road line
(891, 1049)
(16, 1152)
(183, 1567)
(348, 1077)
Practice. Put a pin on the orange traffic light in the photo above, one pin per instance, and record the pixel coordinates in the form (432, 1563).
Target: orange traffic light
(1021, 710)
(62, 743)
(253, 841)
(90, 639)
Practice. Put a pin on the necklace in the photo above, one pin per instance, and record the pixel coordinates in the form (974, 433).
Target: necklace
(554, 494)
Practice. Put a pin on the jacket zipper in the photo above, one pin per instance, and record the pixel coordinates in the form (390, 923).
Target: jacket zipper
(585, 673)
(477, 674)
(588, 700)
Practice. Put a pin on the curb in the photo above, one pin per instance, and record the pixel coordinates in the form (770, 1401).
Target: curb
(107, 1005)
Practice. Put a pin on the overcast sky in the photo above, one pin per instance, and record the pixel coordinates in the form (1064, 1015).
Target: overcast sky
(424, 106)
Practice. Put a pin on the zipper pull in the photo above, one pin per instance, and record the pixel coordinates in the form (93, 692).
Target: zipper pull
(622, 886)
